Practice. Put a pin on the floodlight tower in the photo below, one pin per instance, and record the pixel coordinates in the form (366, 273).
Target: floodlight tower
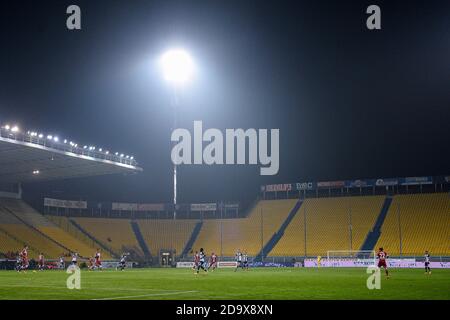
(178, 68)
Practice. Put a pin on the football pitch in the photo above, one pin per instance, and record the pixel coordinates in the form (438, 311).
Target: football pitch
(225, 284)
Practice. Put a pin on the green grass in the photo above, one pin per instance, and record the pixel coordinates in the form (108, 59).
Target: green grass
(258, 283)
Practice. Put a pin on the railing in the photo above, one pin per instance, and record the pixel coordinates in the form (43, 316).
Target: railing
(55, 143)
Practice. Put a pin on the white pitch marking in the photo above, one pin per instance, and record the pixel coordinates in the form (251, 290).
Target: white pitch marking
(146, 295)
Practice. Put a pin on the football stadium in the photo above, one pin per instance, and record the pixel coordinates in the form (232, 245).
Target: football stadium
(323, 197)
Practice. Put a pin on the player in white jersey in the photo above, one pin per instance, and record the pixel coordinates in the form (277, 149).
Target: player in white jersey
(61, 262)
(245, 261)
(202, 261)
(123, 261)
(238, 257)
(427, 263)
(74, 259)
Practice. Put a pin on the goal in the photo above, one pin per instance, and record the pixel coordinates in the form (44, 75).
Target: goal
(361, 255)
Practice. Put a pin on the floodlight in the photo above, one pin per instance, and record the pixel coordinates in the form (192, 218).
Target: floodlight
(177, 66)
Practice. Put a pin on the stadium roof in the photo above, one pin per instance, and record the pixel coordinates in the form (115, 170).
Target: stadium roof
(26, 161)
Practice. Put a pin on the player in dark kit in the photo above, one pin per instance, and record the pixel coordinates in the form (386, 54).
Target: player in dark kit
(382, 256)
(123, 261)
(201, 261)
(18, 263)
(427, 263)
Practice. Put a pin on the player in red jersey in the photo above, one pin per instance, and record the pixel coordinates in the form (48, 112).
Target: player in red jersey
(196, 260)
(382, 256)
(98, 262)
(41, 264)
(213, 262)
(24, 257)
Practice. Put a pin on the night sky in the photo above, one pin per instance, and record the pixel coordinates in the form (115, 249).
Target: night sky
(349, 102)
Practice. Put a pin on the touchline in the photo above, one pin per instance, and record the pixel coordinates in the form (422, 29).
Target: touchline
(235, 140)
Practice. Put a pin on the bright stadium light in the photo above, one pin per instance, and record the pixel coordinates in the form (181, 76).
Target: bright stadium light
(56, 139)
(106, 152)
(15, 129)
(49, 137)
(177, 66)
(7, 127)
(41, 135)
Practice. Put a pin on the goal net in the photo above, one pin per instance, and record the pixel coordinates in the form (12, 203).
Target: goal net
(367, 256)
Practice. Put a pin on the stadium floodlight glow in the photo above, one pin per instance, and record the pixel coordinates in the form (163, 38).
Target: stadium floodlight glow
(36, 172)
(7, 127)
(65, 140)
(177, 66)
(49, 137)
(131, 158)
(41, 135)
(55, 139)
(85, 147)
(100, 149)
(122, 155)
(116, 153)
(106, 152)
(15, 129)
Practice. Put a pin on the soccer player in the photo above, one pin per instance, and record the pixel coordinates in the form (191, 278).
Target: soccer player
(213, 262)
(41, 264)
(91, 261)
(196, 261)
(238, 260)
(122, 263)
(98, 262)
(61, 262)
(382, 256)
(201, 261)
(24, 258)
(427, 263)
(245, 261)
(18, 262)
(74, 259)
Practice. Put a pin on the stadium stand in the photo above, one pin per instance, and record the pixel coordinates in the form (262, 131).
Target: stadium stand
(166, 234)
(225, 236)
(327, 225)
(116, 234)
(32, 228)
(422, 220)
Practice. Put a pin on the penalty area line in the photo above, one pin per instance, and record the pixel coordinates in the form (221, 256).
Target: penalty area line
(146, 295)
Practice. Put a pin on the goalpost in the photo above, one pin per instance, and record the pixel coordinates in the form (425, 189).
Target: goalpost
(358, 255)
